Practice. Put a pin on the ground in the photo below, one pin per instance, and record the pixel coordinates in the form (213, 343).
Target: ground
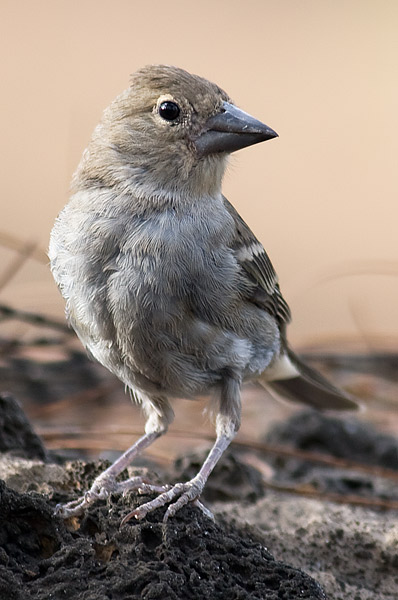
(284, 540)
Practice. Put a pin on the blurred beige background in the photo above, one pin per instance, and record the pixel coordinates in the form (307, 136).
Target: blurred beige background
(322, 198)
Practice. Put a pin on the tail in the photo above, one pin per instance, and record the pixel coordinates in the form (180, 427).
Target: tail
(293, 379)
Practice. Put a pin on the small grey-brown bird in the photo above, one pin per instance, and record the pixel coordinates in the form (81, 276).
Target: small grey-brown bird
(164, 283)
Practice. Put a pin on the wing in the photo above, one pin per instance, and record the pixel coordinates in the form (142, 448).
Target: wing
(288, 375)
(258, 268)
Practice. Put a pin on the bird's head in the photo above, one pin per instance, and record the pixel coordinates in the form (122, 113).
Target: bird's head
(168, 134)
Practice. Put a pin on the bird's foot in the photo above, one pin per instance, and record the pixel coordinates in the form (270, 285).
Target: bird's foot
(104, 485)
(182, 493)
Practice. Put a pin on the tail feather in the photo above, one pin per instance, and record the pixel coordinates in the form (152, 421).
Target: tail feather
(303, 384)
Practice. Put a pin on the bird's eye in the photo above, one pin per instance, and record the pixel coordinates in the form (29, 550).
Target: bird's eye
(169, 110)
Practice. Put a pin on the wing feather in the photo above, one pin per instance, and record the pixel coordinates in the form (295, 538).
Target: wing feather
(257, 266)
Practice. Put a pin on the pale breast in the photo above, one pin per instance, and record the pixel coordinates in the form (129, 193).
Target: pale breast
(158, 299)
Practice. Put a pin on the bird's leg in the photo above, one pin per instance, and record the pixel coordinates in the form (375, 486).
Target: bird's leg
(227, 424)
(184, 492)
(106, 483)
(159, 415)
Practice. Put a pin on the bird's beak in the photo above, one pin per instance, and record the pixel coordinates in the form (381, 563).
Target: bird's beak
(231, 129)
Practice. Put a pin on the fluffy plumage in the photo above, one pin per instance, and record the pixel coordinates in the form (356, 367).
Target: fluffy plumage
(165, 284)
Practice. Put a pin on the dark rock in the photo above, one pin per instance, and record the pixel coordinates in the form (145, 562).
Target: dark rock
(190, 557)
(231, 479)
(16, 433)
(341, 437)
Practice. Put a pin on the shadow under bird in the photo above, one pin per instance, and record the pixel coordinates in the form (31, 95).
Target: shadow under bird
(164, 283)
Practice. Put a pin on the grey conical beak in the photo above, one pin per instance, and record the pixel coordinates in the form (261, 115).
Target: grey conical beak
(231, 129)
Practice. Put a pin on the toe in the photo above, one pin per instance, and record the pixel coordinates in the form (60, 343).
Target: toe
(191, 493)
(72, 509)
(182, 493)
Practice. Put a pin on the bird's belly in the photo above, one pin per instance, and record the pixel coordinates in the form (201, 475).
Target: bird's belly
(162, 308)
(172, 340)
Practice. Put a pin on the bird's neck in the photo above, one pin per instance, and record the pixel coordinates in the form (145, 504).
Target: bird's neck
(160, 186)
(202, 182)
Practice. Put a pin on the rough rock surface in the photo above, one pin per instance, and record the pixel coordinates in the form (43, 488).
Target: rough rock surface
(322, 549)
(351, 550)
(190, 557)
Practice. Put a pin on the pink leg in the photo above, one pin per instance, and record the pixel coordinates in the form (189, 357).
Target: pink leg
(185, 492)
(227, 423)
(105, 483)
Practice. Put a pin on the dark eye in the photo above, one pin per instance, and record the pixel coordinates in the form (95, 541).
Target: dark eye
(169, 110)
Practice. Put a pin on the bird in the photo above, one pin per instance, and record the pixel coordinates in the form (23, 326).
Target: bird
(164, 282)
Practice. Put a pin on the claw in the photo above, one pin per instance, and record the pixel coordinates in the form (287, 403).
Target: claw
(207, 512)
(181, 492)
(72, 509)
(101, 489)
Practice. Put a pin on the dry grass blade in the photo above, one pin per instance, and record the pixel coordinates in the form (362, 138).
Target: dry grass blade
(337, 498)
(24, 252)
(326, 459)
(7, 312)
(98, 446)
(94, 394)
(13, 243)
